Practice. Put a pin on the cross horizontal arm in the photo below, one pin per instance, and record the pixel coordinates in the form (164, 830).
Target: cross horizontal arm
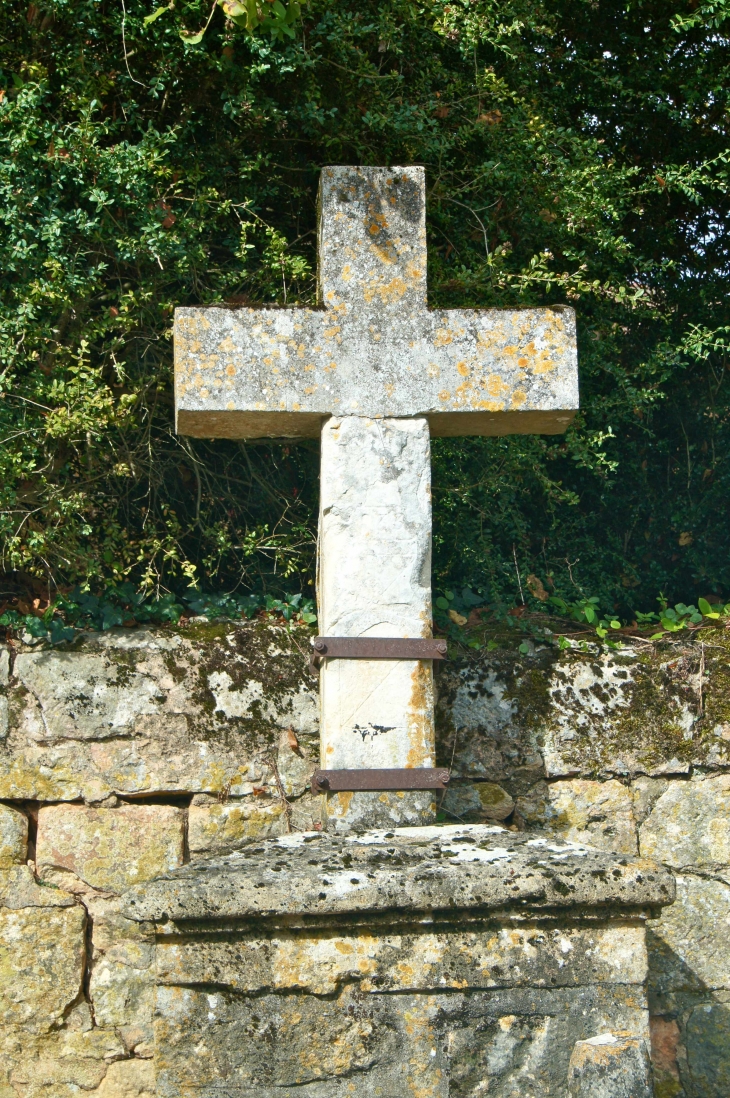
(247, 373)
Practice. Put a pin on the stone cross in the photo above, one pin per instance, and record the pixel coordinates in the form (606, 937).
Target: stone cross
(374, 373)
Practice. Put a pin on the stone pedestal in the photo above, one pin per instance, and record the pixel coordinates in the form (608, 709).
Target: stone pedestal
(375, 581)
(417, 963)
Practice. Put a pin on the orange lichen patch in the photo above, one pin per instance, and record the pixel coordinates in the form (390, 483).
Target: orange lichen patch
(414, 271)
(389, 389)
(331, 333)
(544, 363)
(518, 399)
(488, 405)
(496, 387)
(522, 362)
(443, 337)
(346, 273)
(462, 368)
(227, 346)
(444, 396)
(344, 801)
(377, 223)
(231, 371)
(387, 291)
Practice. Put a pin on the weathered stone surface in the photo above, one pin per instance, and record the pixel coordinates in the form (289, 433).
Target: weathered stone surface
(42, 951)
(215, 828)
(199, 709)
(599, 814)
(707, 1037)
(665, 1037)
(122, 977)
(516, 1041)
(609, 1066)
(375, 580)
(690, 824)
(477, 801)
(490, 956)
(13, 836)
(128, 1079)
(408, 869)
(515, 719)
(41, 964)
(108, 849)
(57, 1065)
(374, 349)
(689, 942)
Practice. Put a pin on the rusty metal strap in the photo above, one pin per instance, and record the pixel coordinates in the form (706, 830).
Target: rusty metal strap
(356, 781)
(376, 648)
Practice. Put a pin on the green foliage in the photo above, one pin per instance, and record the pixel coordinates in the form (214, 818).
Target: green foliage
(124, 605)
(575, 152)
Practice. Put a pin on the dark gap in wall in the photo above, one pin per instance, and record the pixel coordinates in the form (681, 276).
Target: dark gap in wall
(176, 800)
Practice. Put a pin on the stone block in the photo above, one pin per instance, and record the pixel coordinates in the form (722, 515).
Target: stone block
(491, 957)
(599, 814)
(610, 1066)
(41, 964)
(665, 1042)
(689, 944)
(514, 1041)
(122, 979)
(690, 824)
(108, 849)
(195, 710)
(707, 1040)
(404, 870)
(128, 1079)
(42, 951)
(60, 1064)
(516, 719)
(13, 836)
(477, 801)
(216, 828)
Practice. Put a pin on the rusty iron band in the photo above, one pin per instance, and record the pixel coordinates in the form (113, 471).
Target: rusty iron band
(376, 648)
(363, 781)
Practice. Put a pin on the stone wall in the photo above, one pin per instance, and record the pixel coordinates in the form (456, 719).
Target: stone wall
(130, 753)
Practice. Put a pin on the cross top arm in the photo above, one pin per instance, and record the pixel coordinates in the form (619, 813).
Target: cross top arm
(373, 348)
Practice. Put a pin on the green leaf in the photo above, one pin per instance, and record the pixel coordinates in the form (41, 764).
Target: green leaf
(192, 39)
(615, 624)
(233, 8)
(524, 648)
(706, 610)
(442, 603)
(155, 15)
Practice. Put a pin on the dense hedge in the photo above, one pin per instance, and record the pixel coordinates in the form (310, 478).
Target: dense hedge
(575, 151)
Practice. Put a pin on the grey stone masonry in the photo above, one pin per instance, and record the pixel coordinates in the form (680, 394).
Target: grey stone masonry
(435, 962)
